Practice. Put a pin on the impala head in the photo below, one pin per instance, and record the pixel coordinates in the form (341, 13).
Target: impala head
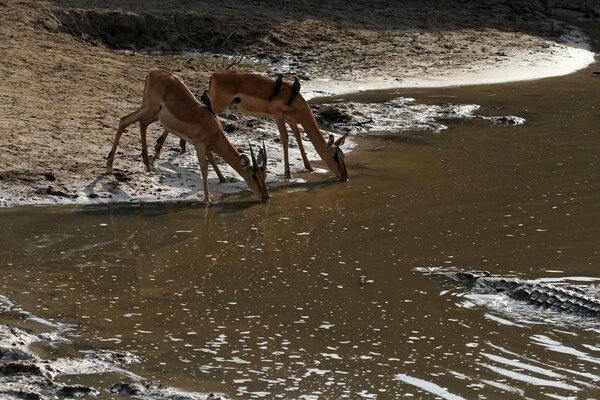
(336, 161)
(254, 172)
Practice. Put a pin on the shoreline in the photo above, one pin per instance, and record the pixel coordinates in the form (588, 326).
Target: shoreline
(186, 186)
(58, 130)
(572, 55)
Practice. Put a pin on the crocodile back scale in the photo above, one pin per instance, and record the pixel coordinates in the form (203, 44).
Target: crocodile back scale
(567, 299)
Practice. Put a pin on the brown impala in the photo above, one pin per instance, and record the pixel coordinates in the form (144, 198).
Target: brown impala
(260, 96)
(167, 100)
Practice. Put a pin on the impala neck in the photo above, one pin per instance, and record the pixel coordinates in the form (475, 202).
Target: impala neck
(228, 153)
(309, 123)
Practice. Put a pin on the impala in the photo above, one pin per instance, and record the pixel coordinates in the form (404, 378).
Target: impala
(168, 100)
(260, 96)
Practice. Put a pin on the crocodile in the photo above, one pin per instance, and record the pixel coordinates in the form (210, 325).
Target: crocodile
(559, 298)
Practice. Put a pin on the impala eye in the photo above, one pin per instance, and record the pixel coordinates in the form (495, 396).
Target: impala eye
(254, 177)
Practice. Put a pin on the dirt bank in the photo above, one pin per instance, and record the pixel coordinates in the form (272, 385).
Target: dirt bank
(67, 82)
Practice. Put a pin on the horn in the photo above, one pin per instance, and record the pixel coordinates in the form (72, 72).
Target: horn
(254, 165)
(341, 140)
(264, 152)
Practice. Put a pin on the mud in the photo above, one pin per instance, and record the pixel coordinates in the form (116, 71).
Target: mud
(26, 375)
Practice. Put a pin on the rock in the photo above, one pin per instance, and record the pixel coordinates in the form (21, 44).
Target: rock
(229, 128)
(114, 357)
(50, 176)
(58, 192)
(13, 368)
(20, 394)
(11, 354)
(506, 120)
(75, 391)
(121, 177)
(131, 389)
(230, 117)
(333, 115)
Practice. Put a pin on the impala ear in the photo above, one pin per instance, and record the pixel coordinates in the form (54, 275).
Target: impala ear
(254, 163)
(246, 163)
(341, 140)
(261, 159)
(330, 141)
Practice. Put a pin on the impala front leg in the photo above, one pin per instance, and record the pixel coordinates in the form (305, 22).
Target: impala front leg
(111, 155)
(298, 137)
(203, 161)
(280, 120)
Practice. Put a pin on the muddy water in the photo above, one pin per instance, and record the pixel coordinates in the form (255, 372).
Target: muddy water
(313, 295)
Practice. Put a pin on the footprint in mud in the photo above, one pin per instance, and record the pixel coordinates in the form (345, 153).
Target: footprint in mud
(121, 177)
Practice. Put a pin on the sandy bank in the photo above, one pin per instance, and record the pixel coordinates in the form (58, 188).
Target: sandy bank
(572, 53)
(66, 87)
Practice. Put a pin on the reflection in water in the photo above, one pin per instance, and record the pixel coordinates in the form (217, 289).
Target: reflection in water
(312, 296)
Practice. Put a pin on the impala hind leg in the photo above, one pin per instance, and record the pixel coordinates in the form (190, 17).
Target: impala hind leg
(280, 120)
(298, 137)
(161, 141)
(159, 144)
(203, 161)
(143, 128)
(124, 122)
(213, 162)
